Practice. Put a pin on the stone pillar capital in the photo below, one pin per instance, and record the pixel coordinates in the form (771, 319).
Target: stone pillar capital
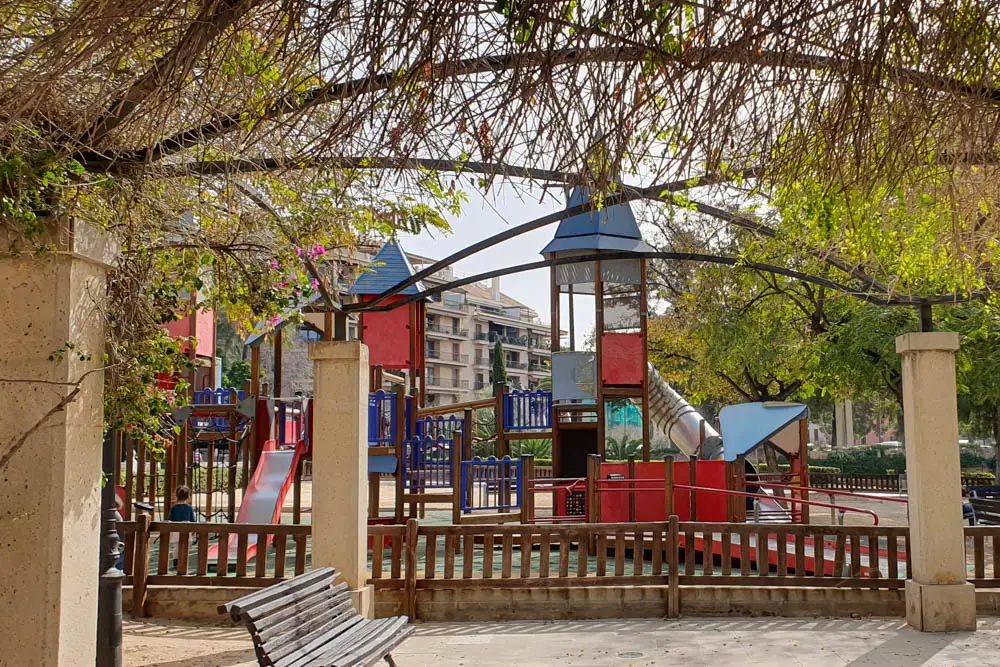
(338, 350)
(927, 341)
(67, 237)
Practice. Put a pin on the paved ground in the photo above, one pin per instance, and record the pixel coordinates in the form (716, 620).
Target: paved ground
(726, 642)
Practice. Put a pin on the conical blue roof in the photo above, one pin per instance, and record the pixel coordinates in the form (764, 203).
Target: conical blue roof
(389, 267)
(612, 228)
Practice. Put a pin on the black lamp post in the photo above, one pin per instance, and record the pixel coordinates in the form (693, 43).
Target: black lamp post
(109, 599)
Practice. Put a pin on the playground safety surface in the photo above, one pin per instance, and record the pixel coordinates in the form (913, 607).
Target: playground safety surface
(688, 642)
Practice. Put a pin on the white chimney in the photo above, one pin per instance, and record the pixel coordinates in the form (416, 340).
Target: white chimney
(495, 288)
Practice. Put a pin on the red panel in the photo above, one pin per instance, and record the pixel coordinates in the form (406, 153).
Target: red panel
(387, 336)
(650, 504)
(203, 331)
(621, 359)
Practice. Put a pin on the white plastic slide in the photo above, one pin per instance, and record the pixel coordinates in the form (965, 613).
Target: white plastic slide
(682, 423)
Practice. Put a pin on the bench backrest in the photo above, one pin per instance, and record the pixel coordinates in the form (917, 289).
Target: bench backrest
(295, 617)
(986, 491)
(987, 510)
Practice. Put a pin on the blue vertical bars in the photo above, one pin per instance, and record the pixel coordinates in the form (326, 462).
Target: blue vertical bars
(491, 484)
(427, 463)
(445, 427)
(527, 411)
(381, 418)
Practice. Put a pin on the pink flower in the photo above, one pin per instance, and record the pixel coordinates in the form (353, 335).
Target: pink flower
(316, 251)
(315, 284)
(274, 264)
(275, 320)
(282, 285)
(298, 251)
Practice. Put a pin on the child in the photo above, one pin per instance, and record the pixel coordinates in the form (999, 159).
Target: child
(182, 510)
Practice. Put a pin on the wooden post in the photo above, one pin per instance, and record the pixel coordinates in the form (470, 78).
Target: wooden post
(527, 485)
(468, 429)
(278, 338)
(673, 566)
(297, 492)
(411, 568)
(693, 482)
(598, 361)
(328, 325)
(456, 479)
(231, 481)
(668, 484)
(741, 485)
(804, 464)
(255, 370)
(140, 563)
(593, 495)
(400, 435)
(499, 392)
(631, 489)
(643, 329)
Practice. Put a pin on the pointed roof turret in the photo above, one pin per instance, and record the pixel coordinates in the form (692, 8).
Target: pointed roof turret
(390, 266)
(612, 228)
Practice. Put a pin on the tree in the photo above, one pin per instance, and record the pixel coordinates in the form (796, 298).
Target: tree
(237, 375)
(499, 365)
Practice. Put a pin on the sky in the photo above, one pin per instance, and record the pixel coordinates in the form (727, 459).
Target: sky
(484, 216)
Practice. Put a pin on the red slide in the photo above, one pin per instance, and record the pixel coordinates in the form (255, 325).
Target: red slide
(264, 496)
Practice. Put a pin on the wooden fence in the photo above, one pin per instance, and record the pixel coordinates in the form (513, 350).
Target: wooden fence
(419, 556)
(886, 483)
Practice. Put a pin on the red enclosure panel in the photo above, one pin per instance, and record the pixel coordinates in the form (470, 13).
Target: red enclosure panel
(650, 503)
(621, 359)
(387, 336)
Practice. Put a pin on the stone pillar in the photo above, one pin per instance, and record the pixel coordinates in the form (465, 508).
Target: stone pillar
(50, 516)
(340, 464)
(938, 597)
(844, 414)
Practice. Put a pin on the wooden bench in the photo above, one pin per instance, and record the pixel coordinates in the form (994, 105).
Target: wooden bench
(987, 510)
(307, 622)
(990, 491)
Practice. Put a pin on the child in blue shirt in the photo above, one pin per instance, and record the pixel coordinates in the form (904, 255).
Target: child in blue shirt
(182, 510)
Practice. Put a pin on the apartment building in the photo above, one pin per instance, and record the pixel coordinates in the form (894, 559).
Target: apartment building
(463, 326)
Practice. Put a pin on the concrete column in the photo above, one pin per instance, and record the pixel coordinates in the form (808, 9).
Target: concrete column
(50, 514)
(844, 414)
(340, 464)
(938, 598)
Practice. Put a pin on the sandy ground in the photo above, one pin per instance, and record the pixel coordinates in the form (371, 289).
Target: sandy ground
(632, 643)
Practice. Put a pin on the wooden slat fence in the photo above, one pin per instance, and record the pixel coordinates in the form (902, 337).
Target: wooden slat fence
(884, 483)
(415, 556)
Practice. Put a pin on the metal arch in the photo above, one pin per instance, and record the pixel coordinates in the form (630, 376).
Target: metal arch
(372, 306)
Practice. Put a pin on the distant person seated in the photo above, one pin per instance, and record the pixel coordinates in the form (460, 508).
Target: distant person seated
(182, 510)
(968, 514)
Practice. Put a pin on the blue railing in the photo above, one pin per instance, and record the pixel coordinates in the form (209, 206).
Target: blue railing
(491, 484)
(381, 418)
(435, 427)
(527, 411)
(208, 396)
(427, 463)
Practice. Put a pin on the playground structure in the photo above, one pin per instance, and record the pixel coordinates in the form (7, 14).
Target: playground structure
(241, 452)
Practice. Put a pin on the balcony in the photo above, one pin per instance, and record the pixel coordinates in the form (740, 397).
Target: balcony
(516, 365)
(539, 343)
(492, 337)
(447, 357)
(483, 361)
(539, 368)
(447, 331)
(446, 305)
(447, 383)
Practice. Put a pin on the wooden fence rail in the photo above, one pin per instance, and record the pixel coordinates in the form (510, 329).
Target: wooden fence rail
(416, 556)
(885, 483)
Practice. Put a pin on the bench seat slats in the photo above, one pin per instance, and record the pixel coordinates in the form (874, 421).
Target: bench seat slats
(307, 622)
(248, 602)
(342, 644)
(389, 637)
(987, 511)
(329, 618)
(297, 649)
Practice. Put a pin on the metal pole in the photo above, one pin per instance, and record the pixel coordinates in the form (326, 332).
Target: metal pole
(109, 597)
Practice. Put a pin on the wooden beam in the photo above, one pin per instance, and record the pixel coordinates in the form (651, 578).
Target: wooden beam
(644, 331)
